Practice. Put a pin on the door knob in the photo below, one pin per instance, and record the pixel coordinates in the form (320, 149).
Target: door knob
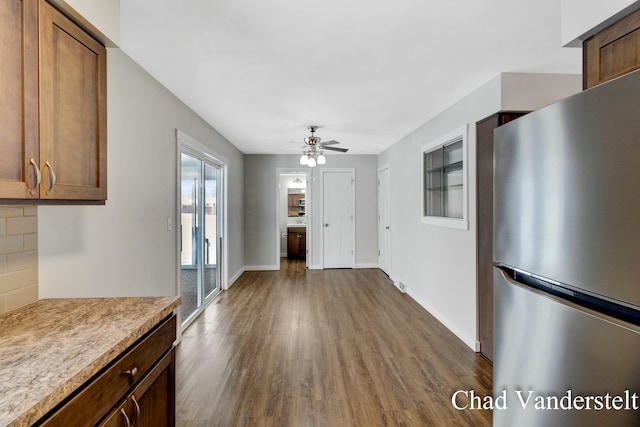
(326, 225)
(387, 227)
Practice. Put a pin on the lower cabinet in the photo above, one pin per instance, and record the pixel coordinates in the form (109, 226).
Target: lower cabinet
(136, 389)
(152, 401)
(296, 243)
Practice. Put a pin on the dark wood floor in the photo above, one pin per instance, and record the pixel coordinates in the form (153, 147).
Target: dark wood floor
(335, 348)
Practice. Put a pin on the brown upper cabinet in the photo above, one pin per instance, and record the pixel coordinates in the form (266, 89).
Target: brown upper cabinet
(612, 52)
(53, 109)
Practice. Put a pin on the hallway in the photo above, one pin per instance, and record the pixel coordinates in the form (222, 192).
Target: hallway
(330, 348)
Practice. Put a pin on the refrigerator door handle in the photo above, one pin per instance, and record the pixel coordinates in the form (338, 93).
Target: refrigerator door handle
(551, 347)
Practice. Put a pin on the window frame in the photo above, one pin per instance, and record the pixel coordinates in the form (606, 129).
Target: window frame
(458, 134)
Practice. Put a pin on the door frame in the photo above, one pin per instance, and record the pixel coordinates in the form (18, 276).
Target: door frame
(353, 198)
(308, 209)
(382, 168)
(185, 143)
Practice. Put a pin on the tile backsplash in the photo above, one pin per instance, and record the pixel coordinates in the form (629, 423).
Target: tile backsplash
(18, 256)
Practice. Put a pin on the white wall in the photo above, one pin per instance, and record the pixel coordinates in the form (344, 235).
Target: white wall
(580, 19)
(438, 265)
(124, 247)
(260, 200)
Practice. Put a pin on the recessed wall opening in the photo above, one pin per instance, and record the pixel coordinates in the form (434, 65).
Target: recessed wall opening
(293, 215)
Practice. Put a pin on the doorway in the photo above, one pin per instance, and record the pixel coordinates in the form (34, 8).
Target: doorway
(338, 218)
(293, 206)
(201, 216)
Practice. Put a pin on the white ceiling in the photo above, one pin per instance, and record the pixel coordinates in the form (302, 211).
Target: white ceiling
(368, 72)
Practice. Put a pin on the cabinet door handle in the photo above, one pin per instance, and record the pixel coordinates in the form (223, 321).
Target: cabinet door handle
(125, 418)
(52, 177)
(136, 407)
(131, 372)
(38, 176)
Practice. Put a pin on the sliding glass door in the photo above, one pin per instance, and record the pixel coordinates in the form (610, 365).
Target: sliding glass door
(200, 236)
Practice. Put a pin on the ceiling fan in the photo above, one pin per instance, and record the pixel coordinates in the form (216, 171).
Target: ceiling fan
(312, 151)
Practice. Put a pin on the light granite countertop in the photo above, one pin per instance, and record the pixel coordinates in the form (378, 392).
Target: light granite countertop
(51, 347)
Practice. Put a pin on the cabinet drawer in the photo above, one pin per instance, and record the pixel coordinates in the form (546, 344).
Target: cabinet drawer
(99, 395)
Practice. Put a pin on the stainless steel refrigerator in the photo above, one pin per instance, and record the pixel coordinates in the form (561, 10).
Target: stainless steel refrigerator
(567, 262)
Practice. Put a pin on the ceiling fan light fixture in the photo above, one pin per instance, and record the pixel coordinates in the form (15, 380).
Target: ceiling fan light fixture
(312, 153)
(312, 162)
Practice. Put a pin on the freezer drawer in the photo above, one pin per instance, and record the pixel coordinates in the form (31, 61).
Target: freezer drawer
(550, 353)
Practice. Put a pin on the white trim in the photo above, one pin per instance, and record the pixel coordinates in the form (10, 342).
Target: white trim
(460, 223)
(353, 198)
(470, 342)
(367, 265)
(261, 267)
(397, 283)
(208, 151)
(382, 168)
(184, 143)
(235, 277)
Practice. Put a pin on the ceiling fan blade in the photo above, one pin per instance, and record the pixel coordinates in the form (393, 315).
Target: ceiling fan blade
(342, 150)
(332, 142)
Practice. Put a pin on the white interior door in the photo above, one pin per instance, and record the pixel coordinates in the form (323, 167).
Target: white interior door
(338, 220)
(384, 221)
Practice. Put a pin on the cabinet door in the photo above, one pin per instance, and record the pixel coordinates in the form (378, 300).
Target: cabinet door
(118, 417)
(19, 99)
(152, 402)
(612, 52)
(73, 141)
(293, 244)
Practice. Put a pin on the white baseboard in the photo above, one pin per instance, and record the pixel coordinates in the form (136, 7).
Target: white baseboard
(235, 277)
(366, 265)
(260, 267)
(471, 343)
(315, 267)
(401, 287)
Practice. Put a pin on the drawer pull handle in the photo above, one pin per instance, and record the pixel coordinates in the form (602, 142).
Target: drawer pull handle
(125, 418)
(52, 177)
(136, 406)
(38, 176)
(131, 372)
